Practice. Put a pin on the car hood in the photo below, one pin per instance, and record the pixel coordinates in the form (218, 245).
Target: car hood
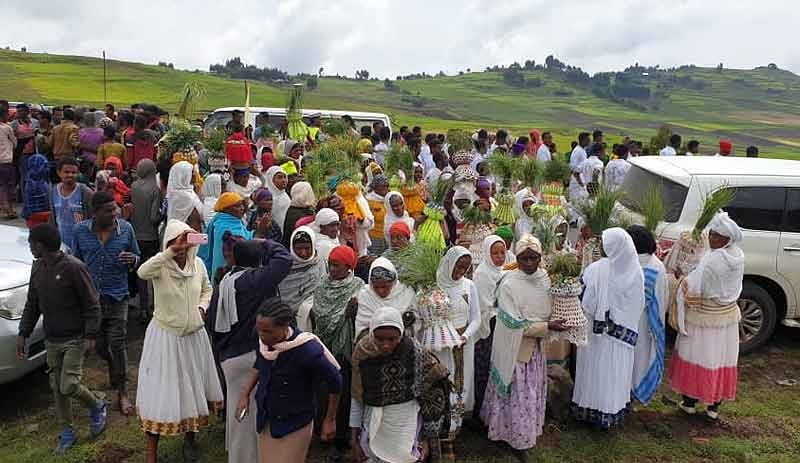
(13, 273)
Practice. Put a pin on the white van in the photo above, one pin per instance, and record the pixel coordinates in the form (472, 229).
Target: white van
(766, 207)
(277, 116)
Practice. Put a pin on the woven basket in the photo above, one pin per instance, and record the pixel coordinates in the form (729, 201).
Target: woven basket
(686, 253)
(567, 307)
(591, 252)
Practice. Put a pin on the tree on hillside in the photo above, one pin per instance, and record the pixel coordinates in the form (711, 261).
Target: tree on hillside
(312, 82)
(772, 67)
(719, 67)
(388, 84)
(362, 75)
(661, 139)
(513, 77)
(553, 64)
(319, 73)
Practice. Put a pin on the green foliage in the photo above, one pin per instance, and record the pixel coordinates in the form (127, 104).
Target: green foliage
(334, 127)
(477, 216)
(417, 264)
(459, 140)
(652, 207)
(440, 191)
(192, 95)
(713, 203)
(557, 170)
(547, 235)
(598, 212)
(328, 160)
(563, 266)
(215, 141)
(529, 172)
(660, 140)
(504, 167)
(399, 159)
(181, 136)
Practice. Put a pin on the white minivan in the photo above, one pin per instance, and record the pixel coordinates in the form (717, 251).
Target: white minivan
(766, 207)
(277, 116)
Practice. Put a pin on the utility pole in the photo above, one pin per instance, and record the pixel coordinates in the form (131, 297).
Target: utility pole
(105, 90)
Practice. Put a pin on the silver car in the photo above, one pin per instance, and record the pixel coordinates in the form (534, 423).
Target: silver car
(15, 271)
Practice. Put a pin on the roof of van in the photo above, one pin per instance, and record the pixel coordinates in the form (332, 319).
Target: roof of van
(328, 112)
(680, 168)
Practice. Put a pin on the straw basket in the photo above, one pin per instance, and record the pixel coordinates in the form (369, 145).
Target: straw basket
(567, 307)
(686, 253)
(591, 252)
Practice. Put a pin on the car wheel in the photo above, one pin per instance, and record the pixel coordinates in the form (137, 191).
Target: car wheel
(758, 317)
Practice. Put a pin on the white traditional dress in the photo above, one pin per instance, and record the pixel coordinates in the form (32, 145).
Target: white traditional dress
(615, 173)
(576, 158)
(465, 313)
(706, 315)
(613, 302)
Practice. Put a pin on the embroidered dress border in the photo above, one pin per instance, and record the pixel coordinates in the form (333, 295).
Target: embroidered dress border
(181, 427)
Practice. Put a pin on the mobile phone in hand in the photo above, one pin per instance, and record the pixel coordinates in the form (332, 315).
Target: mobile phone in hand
(242, 414)
(196, 239)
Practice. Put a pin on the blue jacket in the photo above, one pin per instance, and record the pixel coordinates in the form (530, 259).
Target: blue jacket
(253, 287)
(285, 395)
(211, 253)
(110, 276)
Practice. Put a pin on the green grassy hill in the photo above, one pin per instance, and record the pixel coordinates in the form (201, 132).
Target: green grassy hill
(760, 106)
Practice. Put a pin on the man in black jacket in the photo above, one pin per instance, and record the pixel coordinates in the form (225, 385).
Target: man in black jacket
(62, 292)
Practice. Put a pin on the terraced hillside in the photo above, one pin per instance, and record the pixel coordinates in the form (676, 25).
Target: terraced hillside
(759, 106)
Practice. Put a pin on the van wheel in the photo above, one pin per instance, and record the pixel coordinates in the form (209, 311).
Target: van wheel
(759, 316)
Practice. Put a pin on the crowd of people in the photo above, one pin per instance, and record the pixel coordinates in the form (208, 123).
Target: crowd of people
(290, 311)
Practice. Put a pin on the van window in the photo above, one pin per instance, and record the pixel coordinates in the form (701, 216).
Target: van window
(792, 224)
(758, 208)
(638, 181)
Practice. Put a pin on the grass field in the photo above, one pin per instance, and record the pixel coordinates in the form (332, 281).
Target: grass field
(762, 426)
(760, 106)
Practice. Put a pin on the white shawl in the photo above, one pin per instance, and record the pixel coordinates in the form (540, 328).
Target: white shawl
(280, 199)
(401, 297)
(390, 218)
(486, 277)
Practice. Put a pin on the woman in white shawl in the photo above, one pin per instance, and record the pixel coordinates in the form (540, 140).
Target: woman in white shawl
(212, 189)
(516, 395)
(465, 313)
(395, 207)
(486, 276)
(326, 227)
(276, 181)
(706, 316)
(648, 363)
(613, 302)
(523, 200)
(383, 290)
(183, 204)
(297, 289)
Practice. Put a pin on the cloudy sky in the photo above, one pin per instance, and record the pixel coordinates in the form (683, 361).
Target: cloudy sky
(399, 37)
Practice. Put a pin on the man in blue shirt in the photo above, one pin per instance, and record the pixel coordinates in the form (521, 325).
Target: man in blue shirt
(108, 246)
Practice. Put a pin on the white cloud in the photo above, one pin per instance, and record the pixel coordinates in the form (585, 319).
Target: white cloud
(390, 38)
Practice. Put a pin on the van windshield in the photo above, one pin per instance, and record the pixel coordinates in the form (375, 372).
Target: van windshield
(638, 181)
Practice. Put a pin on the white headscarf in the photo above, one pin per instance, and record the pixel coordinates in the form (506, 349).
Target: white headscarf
(303, 195)
(618, 280)
(524, 224)
(280, 199)
(181, 198)
(486, 277)
(725, 226)
(325, 243)
(401, 296)
(325, 216)
(390, 218)
(212, 189)
(444, 274)
(386, 317)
